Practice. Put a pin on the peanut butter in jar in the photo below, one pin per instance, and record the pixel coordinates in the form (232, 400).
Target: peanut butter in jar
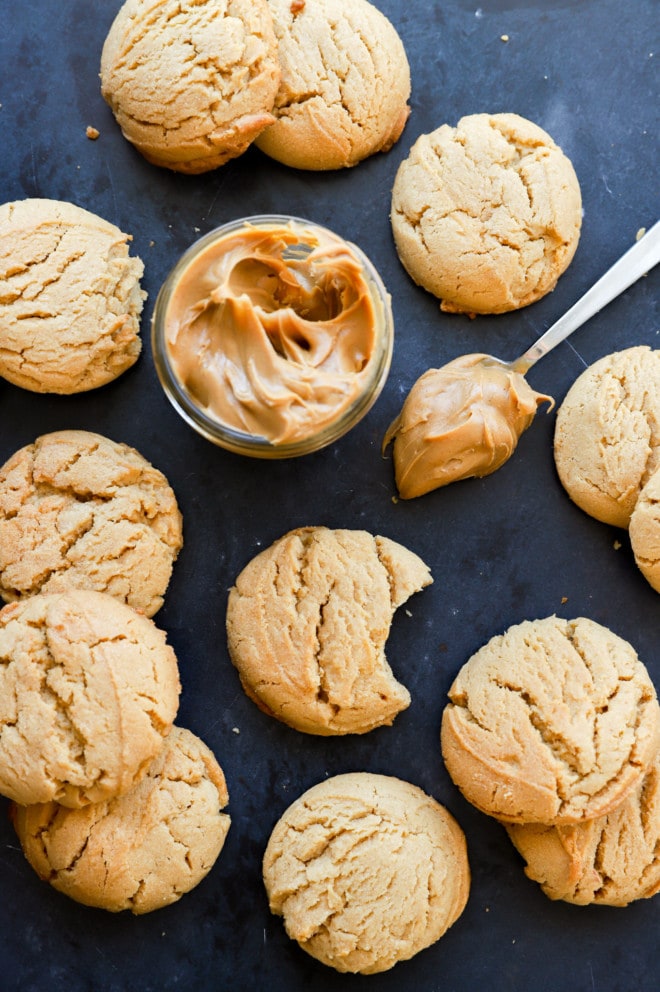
(272, 336)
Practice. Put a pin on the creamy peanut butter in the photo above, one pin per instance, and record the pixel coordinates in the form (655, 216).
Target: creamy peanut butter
(272, 330)
(459, 421)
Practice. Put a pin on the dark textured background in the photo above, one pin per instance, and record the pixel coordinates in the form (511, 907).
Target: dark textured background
(502, 549)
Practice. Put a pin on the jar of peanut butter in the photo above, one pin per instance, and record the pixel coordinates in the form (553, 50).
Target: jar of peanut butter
(272, 336)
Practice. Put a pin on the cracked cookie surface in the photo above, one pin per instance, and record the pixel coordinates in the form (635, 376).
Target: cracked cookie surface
(610, 861)
(307, 622)
(70, 298)
(486, 215)
(191, 83)
(555, 721)
(345, 84)
(88, 691)
(78, 510)
(366, 870)
(143, 850)
(607, 435)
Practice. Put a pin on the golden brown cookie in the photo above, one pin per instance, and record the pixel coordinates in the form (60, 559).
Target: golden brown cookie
(607, 436)
(644, 531)
(366, 870)
(88, 691)
(78, 510)
(141, 851)
(610, 861)
(345, 84)
(486, 215)
(70, 298)
(191, 83)
(555, 722)
(307, 623)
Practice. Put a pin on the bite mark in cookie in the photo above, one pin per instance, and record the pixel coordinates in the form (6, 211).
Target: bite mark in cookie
(307, 622)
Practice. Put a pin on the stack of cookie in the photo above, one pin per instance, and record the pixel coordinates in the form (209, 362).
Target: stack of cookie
(114, 805)
(317, 85)
(553, 728)
(607, 448)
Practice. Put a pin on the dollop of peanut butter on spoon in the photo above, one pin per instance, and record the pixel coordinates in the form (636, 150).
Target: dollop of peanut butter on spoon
(461, 420)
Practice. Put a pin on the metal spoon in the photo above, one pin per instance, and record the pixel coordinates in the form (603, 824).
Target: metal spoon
(636, 262)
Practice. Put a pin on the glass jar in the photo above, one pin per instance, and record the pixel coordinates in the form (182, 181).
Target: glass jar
(272, 336)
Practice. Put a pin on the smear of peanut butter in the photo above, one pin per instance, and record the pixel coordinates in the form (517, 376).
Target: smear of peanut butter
(459, 421)
(271, 338)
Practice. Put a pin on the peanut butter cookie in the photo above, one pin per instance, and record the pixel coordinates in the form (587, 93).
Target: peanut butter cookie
(644, 531)
(607, 435)
(345, 84)
(78, 510)
(70, 298)
(143, 850)
(610, 861)
(486, 215)
(553, 722)
(191, 82)
(366, 870)
(88, 691)
(307, 623)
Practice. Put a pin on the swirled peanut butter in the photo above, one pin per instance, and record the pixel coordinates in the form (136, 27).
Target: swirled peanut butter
(459, 421)
(271, 330)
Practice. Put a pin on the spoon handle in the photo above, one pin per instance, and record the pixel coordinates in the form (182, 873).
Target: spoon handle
(636, 262)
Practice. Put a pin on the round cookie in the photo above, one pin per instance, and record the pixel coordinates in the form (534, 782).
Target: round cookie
(345, 84)
(307, 622)
(644, 531)
(367, 870)
(70, 298)
(191, 82)
(610, 861)
(486, 215)
(553, 722)
(78, 510)
(141, 851)
(607, 434)
(88, 690)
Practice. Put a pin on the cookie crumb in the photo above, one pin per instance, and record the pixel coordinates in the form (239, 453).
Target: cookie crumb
(564, 599)
(504, 37)
(617, 545)
(235, 730)
(640, 234)
(92, 133)
(408, 613)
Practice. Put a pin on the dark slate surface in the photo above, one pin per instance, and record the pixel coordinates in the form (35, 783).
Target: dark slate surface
(503, 549)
